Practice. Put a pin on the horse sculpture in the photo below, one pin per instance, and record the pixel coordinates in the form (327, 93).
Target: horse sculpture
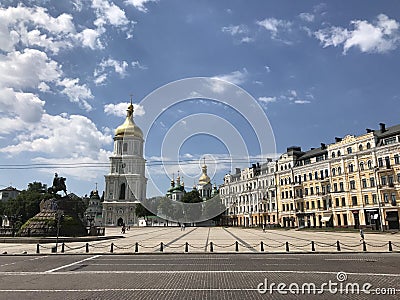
(58, 185)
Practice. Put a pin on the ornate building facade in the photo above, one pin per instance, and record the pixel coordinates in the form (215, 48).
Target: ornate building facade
(125, 185)
(353, 182)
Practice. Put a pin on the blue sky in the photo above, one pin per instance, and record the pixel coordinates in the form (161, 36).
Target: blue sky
(67, 68)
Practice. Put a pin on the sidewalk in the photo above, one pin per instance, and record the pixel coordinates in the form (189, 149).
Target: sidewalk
(215, 239)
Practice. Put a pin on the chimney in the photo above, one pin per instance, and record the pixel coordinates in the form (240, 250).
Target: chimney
(237, 170)
(323, 146)
(383, 127)
(338, 139)
(312, 148)
(369, 130)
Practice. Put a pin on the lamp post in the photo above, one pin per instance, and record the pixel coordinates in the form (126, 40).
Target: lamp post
(60, 217)
(89, 218)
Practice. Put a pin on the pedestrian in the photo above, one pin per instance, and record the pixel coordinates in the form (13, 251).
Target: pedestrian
(263, 227)
(362, 235)
(123, 229)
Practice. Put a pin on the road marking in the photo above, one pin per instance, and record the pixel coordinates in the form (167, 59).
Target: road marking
(15, 262)
(189, 272)
(276, 258)
(72, 264)
(158, 259)
(157, 264)
(352, 259)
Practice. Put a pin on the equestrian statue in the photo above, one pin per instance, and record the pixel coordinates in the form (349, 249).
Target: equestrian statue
(58, 185)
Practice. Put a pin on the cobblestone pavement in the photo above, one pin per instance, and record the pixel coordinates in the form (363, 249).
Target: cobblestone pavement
(219, 239)
(201, 276)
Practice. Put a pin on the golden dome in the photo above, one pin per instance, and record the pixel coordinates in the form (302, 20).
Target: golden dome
(129, 127)
(204, 179)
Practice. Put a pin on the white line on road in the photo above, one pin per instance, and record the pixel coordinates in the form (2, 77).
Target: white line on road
(157, 264)
(72, 264)
(352, 259)
(188, 272)
(180, 258)
(276, 258)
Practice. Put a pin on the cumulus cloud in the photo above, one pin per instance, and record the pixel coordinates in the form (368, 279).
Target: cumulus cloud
(267, 100)
(101, 72)
(119, 109)
(76, 92)
(240, 32)
(235, 77)
(139, 4)
(380, 36)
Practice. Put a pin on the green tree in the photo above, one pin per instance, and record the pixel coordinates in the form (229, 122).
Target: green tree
(142, 212)
(192, 211)
(26, 204)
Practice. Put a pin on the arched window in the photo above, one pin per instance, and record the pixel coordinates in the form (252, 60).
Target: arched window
(361, 166)
(360, 147)
(338, 153)
(368, 145)
(333, 155)
(333, 172)
(339, 170)
(122, 192)
(369, 164)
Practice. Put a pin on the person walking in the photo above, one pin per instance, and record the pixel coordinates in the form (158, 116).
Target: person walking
(362, 235)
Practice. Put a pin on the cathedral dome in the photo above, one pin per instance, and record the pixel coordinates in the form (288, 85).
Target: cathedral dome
(204, 179)
(129, 128)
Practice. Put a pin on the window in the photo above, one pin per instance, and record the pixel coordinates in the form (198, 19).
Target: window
(125, 147)
(390, 140)
(311, 190)
(366, 200)
(396, 159)
(364, 183)
(360, 147)
(390, 180)
(383, 180)
(351, 168)
(372, 181)
(335, 187)
(398, 177)
(317, 190)
(354, 200)
(380, 162)
(338, 153)
(362, 166)
(307, 205)
(341, 186)
(349, 150)
(310, 176)
(326, 173)
(333, 172)
(319, 204)
(386, 198)
(337, 201)
(368, 145)
(374, 200)
(369, 164)
(339, 170)
(333, 154)
(305, 177)
(343, 201)
(316, 175)
(393, 199)
(313, 204)
(306, 191)
(352, 184)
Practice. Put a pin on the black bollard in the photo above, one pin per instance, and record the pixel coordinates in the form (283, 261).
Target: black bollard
(112, 248)
(237, 246)
(37, 248)
(312, 246)
(390, 246)
(287, 246)
(337, 245)
(186, 247)
(136, 247)
(62, 248)
(87, 247)
(364, 246)
(161, 247)
(211, 247)
(262, 246)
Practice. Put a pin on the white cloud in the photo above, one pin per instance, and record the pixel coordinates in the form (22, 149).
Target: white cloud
(137, 64)
(101, 73)
(90, 38)
(308, 17)
(267, 68)
(380, 36)
(119, 109)
(235, 30)
(235, 77)
(27, 69)
(76, 93)
(298, 101)
(109, 13)
(267, 100)
(274, 25)
(139, 4)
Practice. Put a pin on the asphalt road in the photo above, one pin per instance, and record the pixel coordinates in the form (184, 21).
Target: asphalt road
(200, 276)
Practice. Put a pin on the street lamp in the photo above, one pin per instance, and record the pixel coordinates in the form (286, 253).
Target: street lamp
(60, 217)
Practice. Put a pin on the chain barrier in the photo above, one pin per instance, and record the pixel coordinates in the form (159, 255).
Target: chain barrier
(44, 247)
(275, 247)
(198, 247)
(351, 246)
(300, 246)
(174, 247)
(377, 246)
(324, 245)
(74, 248)
(98, 247)
(149, 247)
(224, 246)
(124, 248)
(395, 245)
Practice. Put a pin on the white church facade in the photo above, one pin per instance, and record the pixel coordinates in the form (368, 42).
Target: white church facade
(125, 185)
